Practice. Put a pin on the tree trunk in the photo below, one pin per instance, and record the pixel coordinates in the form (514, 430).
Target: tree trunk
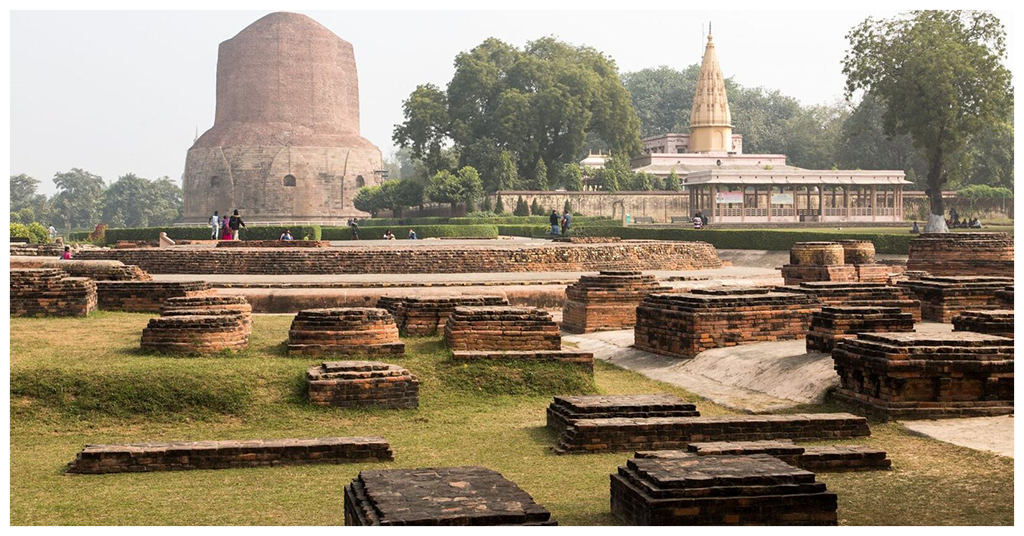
(937, 219)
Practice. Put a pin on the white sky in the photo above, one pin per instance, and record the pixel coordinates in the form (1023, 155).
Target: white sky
(125, 91)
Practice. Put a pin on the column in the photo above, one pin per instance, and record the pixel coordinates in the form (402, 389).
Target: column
(874, 202)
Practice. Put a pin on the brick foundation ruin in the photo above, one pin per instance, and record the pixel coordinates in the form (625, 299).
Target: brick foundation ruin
(180, 456)
(425, 316)
(833, 324)
(840, 261)
(567, 409)
(994, 322)
(146, 296)
(623, 433)
(344, 331)
(756, 489)
(501, 328)
(97, 270)
(196, 334)
(1005, 297)
(942, 297)
(50, 292)
(926, 376)
(684, 325)
(607, 301)
(826, 458)
(401, 259)
(209, 305)
(570, 356)
(855, 294)
(357, 384)
(954, 254)
(273, 243)
(439, 496)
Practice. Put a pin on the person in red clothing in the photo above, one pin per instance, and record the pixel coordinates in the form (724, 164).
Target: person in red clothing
(67, 253)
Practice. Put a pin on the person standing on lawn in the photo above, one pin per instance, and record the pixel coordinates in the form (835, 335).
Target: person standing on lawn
(566, 221)
(236, 223)
(554, 219)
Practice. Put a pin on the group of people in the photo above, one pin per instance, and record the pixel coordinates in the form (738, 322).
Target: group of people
(560, 224)
(226, 228)
(699, 220)
(954, 221)
(388, 235)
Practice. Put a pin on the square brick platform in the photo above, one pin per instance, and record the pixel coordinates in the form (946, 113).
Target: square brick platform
(566, 409)
(50, 292)
(756, 489)
(926, 376)
(995, 322)
(439, 496)
(351, 384)
(826, 458)
(501, 328)
(424, 316)
(683, 325)
(606, 301)
(833, 324)
(146, 296)
(860, 295)
(942, 297)
(956, 254)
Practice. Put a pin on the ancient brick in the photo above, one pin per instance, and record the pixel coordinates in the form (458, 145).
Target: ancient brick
(439, 496)
(180, 456)
(607, 301)
(501, 328)
(574, 357)
(1005, 297)
(993, 322)
(426, 315)
(926, 376)
(196, 334)
(833, 324)
(942, 297)
(50, 292)
(651, 433)
(354, 384)
(566, 409)
(97, 270)
(952, 254)
(208, 305)
(857, 251)
(756, 489)
(146, 296)
(273, 243)
(683, 325)
(828, 458)
(344, 331)
(855, 294)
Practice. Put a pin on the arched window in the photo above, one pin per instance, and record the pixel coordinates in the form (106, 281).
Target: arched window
(360, 182)
(214, 181)
(289, 180)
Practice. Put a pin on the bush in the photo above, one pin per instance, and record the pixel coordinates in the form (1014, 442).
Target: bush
(34, 232)
(422, 231)
(252, 232)
(779, 240)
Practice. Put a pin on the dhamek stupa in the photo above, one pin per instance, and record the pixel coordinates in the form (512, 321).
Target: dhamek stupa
(285, 144)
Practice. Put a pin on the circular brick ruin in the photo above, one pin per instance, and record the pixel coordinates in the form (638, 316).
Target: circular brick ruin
(208, 305)
(344, 331)
(858, 251)
(606, 301)
(956, 254)
(816, 254)
(353, 384)
(195, 334)
(50, 292)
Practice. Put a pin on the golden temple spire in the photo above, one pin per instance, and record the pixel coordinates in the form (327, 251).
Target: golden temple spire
(710, 119)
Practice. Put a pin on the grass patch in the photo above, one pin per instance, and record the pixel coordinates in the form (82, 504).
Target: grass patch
(932, 483)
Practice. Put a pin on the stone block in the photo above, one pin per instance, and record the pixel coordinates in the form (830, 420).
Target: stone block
(833, 324)
(351, 384)
(459, 496)
(344, 331)
(607, 301)
(826, 458)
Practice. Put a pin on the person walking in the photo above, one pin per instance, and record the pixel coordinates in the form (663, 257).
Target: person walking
(53, 232)
(566, 221)
(236, 223)
(215, 226)
(698, 222)
(355, 228)
(554, 222)
(286, 235)
(225, 230)
(412, 235)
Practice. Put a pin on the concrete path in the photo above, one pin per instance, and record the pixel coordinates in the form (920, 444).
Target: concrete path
(989, 434)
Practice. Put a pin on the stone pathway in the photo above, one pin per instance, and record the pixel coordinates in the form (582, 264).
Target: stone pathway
(989, 434)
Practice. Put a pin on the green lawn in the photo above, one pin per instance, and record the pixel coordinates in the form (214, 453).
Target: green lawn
(78, 381)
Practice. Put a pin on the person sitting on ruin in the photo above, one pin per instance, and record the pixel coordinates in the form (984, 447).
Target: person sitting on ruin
(554, 220)
(287, 235)
(236, 223)
(698, 222)
(67, 254)
(566, 221)
(915, 229)
(388, 235)
(412, 235)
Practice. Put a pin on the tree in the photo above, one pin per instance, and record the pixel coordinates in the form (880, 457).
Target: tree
(977, 192)
(126, 202)
(79, 197)
(941, 77)
(522, 209)
(539, 102)
(369, 199)
(505, 176)
(448, 187)
(23, 192)
(642, 182)
(814, 135)
(486, 205)
(672, 182)
(499, 206)
(567, 207)
(572, 177)
(540, 176)
(536, 209)
(863, 143)
(166, 202)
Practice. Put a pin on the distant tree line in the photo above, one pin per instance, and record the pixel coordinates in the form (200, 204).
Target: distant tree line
(83, 200)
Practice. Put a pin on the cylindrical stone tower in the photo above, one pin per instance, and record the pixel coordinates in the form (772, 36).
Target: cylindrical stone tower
(285, 144)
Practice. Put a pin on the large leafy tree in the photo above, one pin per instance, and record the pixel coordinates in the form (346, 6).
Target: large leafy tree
(863, 143)
(536, 103)
(132, 201)
(27, 206)
(455, 188)
(941, 77)
(79, 198)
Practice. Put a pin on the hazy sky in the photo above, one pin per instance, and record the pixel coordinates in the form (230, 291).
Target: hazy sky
(125, 91)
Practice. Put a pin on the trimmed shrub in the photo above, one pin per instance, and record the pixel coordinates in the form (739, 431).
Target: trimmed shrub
(422, 231)
(252, 232)
(769, 239)
(34, 232)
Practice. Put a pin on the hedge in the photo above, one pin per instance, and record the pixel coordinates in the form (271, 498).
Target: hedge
(768, 239)
(486, 220)
(252, 232)
(422, 231)
(585, 228)
(79, 236)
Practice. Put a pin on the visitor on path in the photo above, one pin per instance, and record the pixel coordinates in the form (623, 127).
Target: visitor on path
(67, 254)
(388, 235)
(566, 222)
(236, 223)
(225, 231)
(214, 225)
(412, 235)
(915, 229)
(53, 232)
(698, 222)
(287, 235)
(355, 228)
(554, 219)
